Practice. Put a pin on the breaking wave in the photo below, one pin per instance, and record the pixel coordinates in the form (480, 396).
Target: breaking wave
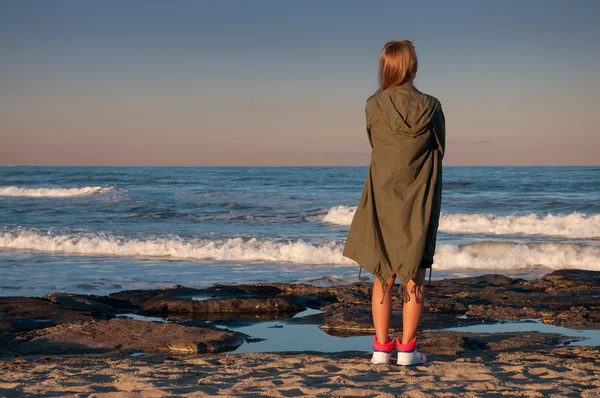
(234, 249)
(574, 225)
(482, 255)
(52, 192)
(510, 256)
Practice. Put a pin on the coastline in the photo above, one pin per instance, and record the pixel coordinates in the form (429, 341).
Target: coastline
(65, 344)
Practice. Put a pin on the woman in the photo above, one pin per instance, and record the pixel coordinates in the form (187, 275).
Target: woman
(394, 229)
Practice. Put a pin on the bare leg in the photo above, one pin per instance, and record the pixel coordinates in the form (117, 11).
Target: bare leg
(382, 312)
(411, 312)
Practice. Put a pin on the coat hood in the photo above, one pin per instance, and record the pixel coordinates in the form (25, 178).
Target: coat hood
(405, 108)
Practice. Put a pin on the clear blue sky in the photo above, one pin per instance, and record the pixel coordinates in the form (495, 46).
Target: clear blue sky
(282, 82)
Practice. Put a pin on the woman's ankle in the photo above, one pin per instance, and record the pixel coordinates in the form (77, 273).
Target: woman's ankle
(387, 340)
(408, 340)
(408, 345)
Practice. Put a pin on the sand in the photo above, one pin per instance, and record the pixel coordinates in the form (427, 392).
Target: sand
(555, 372)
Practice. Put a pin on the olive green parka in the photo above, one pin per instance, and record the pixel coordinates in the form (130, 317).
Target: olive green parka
(395, 225)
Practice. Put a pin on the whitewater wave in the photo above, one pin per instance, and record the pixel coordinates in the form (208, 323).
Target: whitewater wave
(575, 225)
(340, 215)
(511, 256)
(482, 255)
(234, 249)
(52, 192)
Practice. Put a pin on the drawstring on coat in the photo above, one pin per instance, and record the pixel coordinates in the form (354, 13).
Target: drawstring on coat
(430, 269)
(384, 287)
(402, 291)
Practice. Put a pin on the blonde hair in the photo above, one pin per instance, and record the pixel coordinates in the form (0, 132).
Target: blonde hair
(397, 63)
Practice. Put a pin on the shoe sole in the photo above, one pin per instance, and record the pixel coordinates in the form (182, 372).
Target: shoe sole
(380, 358)
(411, 364)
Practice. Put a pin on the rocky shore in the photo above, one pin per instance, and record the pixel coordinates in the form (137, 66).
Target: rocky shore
(64, 343)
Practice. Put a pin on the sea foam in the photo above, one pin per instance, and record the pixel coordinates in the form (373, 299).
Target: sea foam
(52, 192)
(509, 256)
(482, 255)
(574, 225)
(234, 249)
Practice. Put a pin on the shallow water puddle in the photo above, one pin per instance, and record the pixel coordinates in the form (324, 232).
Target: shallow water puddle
(287, 335)
(307, 312)
(284, 336)
(202, 298)
(141, 317)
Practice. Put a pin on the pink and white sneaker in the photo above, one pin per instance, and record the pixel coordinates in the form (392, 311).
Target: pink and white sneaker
(408, 354)
(382, 353)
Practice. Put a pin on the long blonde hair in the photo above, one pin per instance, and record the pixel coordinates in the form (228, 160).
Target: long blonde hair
(397, 63)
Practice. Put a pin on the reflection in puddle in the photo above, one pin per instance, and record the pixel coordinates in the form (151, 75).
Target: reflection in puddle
(307, 312)
(234, 319)
(141, 317)
(199, 298)
(288, 337)
(584, 337)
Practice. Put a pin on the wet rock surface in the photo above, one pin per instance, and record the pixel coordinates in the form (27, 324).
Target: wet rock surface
(219, 306)
(82, 303)
(356, 321)
(563, 298)
(566, 298)
(126, 335)
(446, 343)
(258, 298)
(26, 313)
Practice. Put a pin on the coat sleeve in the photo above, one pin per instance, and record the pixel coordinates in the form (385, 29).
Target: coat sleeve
(439, 129)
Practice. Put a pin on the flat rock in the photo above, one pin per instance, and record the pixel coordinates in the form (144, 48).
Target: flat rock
(482, 281)
(138, 298)
(359, 321)
(126, 335)
(257, 298)
(446, 343)
(568, 297)
(26, 313)
(570, 279)
(228, 305)
(83, 303)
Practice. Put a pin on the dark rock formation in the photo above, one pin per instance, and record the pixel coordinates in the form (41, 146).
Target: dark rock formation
(446, 343)
(26, 313)
(258, 298)
(127, 335)
(83, 303)
(355, 321)
(68, 323)
(225, 305)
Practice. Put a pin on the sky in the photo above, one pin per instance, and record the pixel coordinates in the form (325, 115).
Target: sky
(277, 82)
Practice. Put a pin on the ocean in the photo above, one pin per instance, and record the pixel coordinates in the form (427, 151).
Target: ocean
(97, 230)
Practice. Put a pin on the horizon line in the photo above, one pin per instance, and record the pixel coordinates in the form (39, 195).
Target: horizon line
(263, 166)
